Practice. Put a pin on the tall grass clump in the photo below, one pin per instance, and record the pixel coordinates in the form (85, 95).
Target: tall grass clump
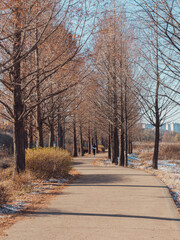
(3, 195)
(169, 151)
(46, 163)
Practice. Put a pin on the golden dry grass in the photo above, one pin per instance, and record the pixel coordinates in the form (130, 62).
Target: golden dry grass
(44, 163)
(48, 162)
(167, 151)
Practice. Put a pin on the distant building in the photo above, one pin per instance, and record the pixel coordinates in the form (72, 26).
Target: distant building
(147, 126)
(170, 127)
(177, 127)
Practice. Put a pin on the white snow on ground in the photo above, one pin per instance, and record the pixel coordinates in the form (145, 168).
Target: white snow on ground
(56, 181)
(168, 171)
(19, 205)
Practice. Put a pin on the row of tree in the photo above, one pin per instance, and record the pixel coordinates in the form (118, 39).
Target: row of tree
(54, 88)
(40, 60)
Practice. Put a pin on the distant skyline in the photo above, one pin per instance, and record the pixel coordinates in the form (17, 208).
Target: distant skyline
(170, 127)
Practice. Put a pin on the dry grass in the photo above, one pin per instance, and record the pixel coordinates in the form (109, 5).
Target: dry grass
(40, 163)
(167, 151)
(4, 196)
(48, 163)
(13, 186)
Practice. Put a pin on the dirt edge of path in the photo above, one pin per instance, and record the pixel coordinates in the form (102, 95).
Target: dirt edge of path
(39, 201)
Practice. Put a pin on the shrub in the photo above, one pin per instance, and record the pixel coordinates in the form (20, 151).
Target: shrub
(48, 163)
(3, 195)
(101, 148)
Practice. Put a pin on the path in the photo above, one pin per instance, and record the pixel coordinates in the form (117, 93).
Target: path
(104, 204)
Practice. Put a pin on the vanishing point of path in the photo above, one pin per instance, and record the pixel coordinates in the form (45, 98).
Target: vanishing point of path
(104, 204)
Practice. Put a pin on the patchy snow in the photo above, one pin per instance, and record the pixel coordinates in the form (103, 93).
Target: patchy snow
(38, 188)
(18, 206)
(168, 171)
(56, 181)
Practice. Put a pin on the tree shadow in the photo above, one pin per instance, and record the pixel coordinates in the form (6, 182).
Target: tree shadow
(110, 180)
(78, 163)
(99, 179)
(118, 185)
(58, 213)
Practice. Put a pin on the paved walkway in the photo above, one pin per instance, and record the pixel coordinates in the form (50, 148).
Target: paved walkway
(104, 204)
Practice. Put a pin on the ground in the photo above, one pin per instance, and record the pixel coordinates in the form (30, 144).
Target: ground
(104, 203)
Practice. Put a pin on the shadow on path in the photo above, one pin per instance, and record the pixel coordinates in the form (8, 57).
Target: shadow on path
(38, 214)
(100, 178)
(110, 185)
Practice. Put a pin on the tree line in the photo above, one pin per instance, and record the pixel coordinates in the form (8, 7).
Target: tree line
(58, 87)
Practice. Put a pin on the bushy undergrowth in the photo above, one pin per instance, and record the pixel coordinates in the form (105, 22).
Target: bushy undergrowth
(48, 163)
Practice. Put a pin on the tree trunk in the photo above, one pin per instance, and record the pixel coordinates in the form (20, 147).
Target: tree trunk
(112, 145)
(25, 139)
(109, 145)
(40, 142)
(51, 135)
(81, 140)
(122, 129)
(131, 144)
(96, 140)
(19, 147)
(64, 134)
(116, 145)
(157, 125)
(30, 136)
(60, 133)
(126, 125)
(75, 140)
(38, 114)
(89, 140)
(156, 147)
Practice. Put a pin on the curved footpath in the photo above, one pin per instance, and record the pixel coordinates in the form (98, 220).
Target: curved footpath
(104, 203)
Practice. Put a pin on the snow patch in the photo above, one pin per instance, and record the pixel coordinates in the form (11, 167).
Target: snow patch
(168, 171)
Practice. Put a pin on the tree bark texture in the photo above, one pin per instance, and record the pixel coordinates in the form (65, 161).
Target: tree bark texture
(96, 140)
(122, 130)
(109, 144)
(89, 140)
(60, 133)
(51, 135)
(74, 140)
(18, 107)
(38, 114)
(81, 139)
